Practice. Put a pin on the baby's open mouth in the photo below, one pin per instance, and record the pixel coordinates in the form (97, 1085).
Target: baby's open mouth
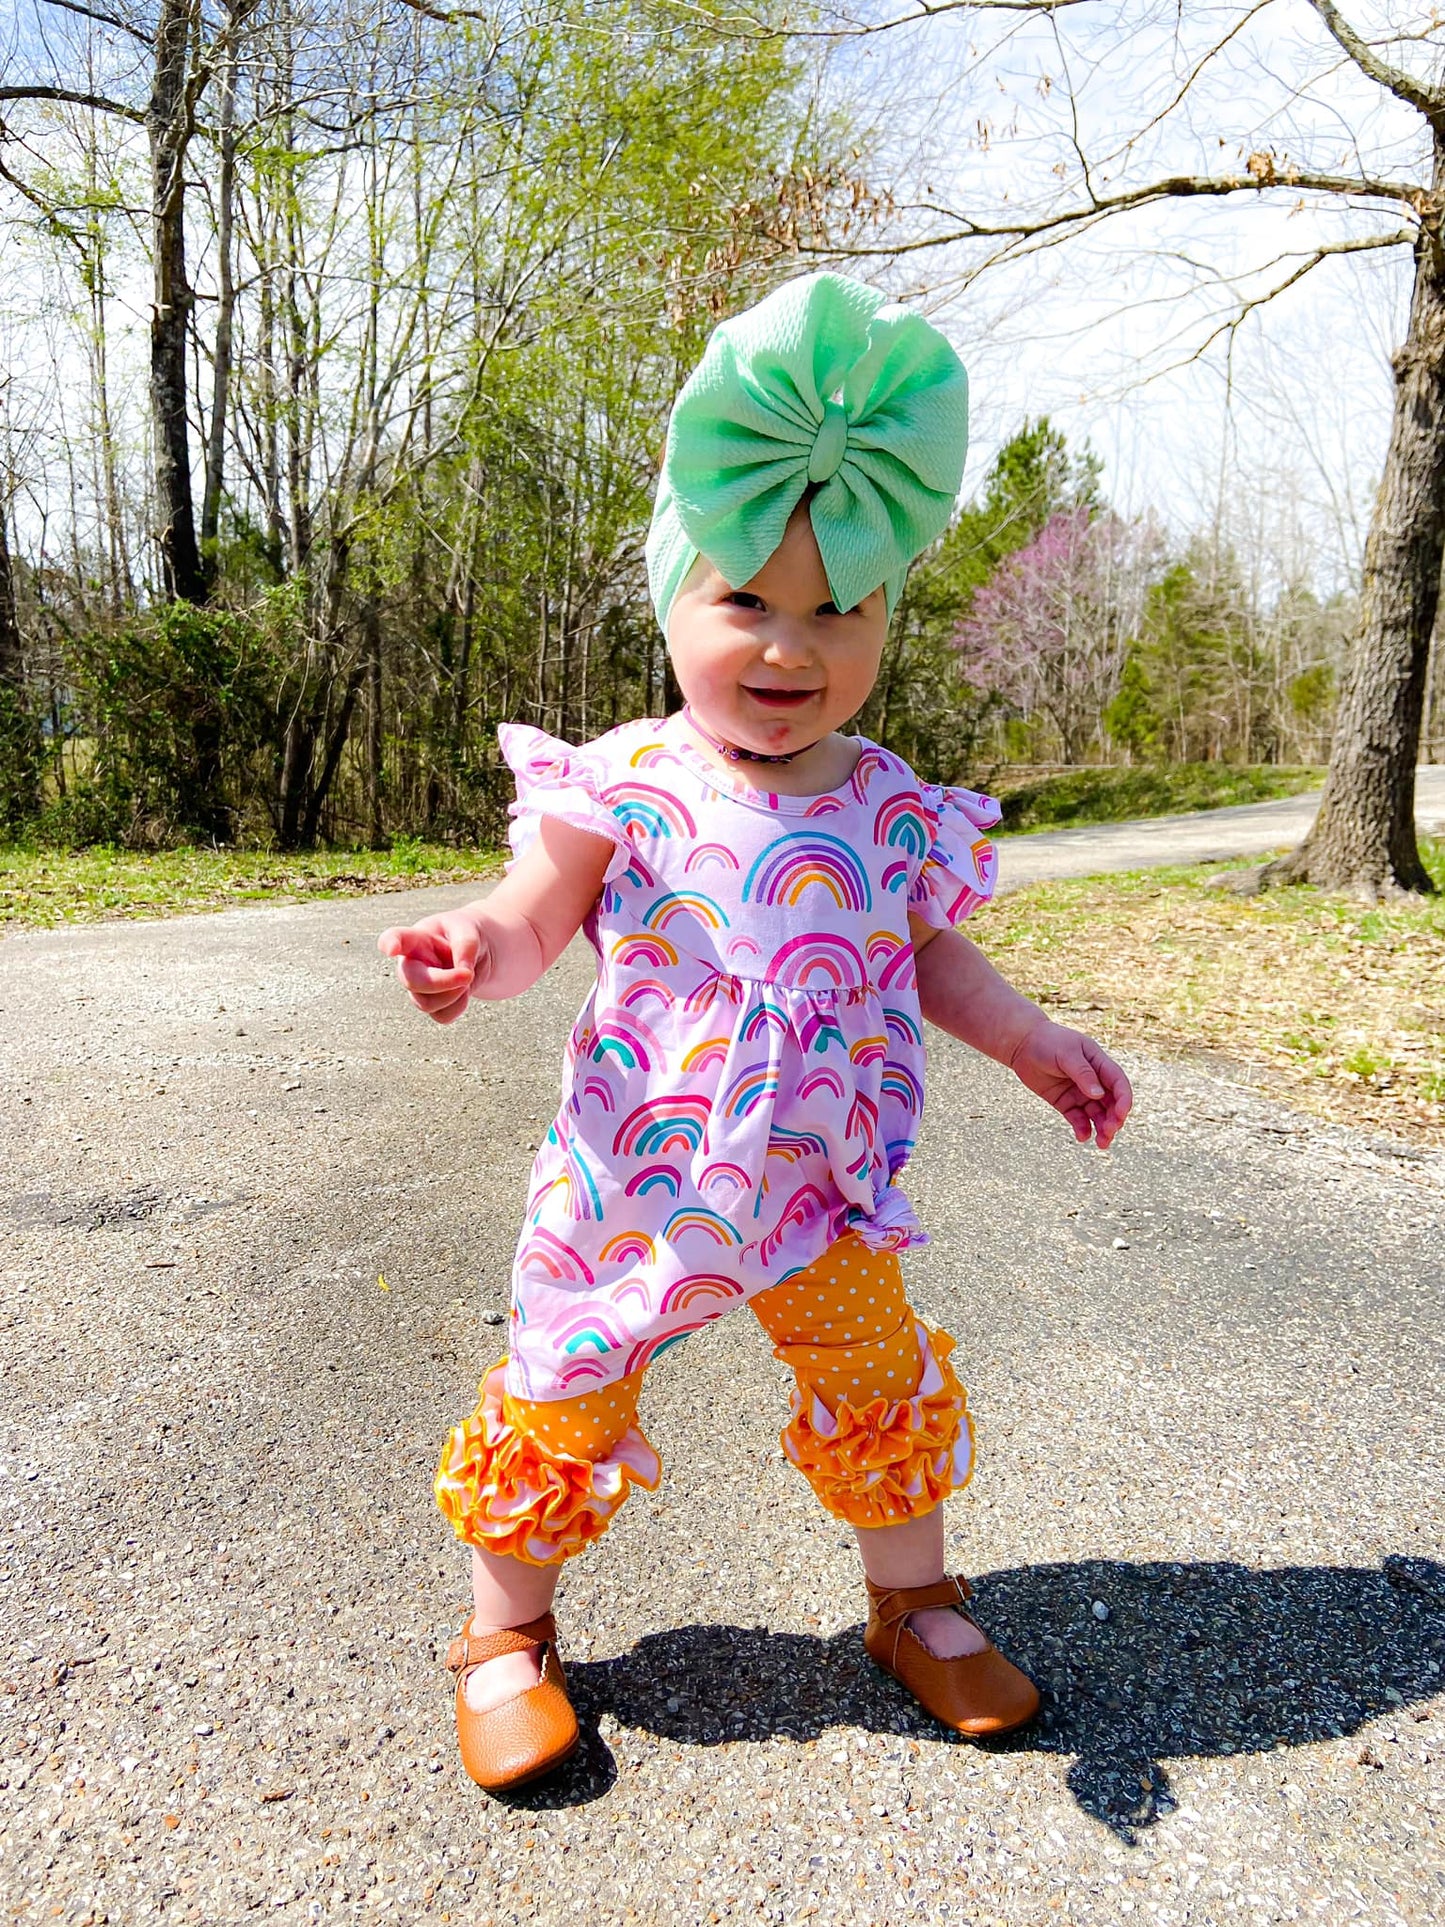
(781, 698)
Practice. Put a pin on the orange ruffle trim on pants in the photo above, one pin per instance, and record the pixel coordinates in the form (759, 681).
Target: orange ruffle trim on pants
(891, 1459)
(879, 1427)
(508, 1490)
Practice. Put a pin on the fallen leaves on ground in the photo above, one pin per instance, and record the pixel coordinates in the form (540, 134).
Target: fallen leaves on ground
(1340, 1006)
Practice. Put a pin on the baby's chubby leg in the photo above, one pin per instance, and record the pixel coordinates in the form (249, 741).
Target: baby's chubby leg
(846, 1328)
(506, 1592)
(912, 1554)
(549, 1446)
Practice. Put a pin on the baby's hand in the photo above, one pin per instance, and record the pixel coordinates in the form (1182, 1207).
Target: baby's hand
(441, 960)
(1079, 1078)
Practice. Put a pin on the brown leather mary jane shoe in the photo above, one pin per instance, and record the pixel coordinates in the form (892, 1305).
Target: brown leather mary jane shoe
(526, 1736)
(980, 1694)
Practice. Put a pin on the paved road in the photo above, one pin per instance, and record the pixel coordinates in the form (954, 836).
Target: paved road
(1208, 1516)
(1211, 836)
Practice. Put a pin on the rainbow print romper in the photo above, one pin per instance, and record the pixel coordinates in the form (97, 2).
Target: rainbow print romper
(744, 1083)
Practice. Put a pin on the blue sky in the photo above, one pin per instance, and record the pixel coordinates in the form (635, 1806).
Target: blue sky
(1285, 423)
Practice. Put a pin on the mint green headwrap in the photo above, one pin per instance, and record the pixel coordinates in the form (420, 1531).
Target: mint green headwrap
(825, 382)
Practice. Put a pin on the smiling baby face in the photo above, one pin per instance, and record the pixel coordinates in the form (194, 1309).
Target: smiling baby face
(773, 666)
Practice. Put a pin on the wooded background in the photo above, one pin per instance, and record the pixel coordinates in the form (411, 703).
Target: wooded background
(340, 340)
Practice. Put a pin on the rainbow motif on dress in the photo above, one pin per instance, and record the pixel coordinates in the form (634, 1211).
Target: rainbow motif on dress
(653, 756)
(816, 1033)
(628, 1039)
(862, 1120)
(723, 1176)
(871, 762)
(633, 949)
(648, 990)
(700, 1287)
(595, 1090)
(591, 1330)
(686, 903)
(663, 1124)
(542, 1250)
(794, 864)
(629, 1248)
(707, 1224)
(900, 1084)
(821, 1080)
(765, 1018)
(794, 1146)
(650, 1349)
(645, 811)
(750, 1088)
(656, 1177)
(902, 1026)
(900, 824)
(715, 855)
(829, 959)
(806, 1202)
(711, 1053)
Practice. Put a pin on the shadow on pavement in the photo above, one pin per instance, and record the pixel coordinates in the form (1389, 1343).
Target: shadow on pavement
(1186, 1660)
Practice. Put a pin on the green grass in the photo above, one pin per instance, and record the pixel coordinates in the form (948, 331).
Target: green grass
(1114, 795)
(1339, 1005)
(46, 887)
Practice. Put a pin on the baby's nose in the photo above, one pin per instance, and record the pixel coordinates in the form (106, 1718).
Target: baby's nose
(788, 646)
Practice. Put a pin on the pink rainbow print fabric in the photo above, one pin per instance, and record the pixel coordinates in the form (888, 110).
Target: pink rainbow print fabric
(744, 1083)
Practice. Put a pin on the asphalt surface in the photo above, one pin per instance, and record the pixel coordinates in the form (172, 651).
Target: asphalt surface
(1206, 1374)
(1210, 836)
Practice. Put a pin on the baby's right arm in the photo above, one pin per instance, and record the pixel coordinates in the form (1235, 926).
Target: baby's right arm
(500, 946)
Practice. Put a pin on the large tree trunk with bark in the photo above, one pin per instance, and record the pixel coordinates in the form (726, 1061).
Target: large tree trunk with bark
(1363, 838)
(169, 121)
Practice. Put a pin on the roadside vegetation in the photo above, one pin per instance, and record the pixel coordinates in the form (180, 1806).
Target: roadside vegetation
(40, 888)
(1335, 1006)
(1065, 799)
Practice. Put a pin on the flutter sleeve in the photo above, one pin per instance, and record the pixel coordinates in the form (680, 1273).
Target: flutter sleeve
(554, 779)
(961, 866)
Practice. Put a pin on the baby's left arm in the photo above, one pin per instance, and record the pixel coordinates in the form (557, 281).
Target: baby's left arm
(961, 992)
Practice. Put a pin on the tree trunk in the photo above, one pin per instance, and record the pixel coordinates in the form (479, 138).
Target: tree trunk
(336, 742)
(169, 125)
(225, 303)
(295, 780)
(376, 742)
(19, 732)
(1363, 838)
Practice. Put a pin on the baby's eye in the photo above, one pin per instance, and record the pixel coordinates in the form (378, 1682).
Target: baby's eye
(832, 609)
(741, 599)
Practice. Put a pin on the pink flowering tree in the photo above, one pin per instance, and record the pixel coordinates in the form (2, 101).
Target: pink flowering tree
(1048, 635)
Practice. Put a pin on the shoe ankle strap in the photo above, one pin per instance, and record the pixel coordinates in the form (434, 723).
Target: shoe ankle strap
(470, 1649)
(893, 1603)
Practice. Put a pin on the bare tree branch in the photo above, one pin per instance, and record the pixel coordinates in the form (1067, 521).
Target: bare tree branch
(103, 19)
(1264, 174)
(1400, 83)
(750, 27)
(99, 102)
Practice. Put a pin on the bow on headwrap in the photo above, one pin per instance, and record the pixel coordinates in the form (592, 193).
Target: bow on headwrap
(824, 382)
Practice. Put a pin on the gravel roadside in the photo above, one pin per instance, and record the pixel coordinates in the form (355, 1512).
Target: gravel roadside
(1206, 1371)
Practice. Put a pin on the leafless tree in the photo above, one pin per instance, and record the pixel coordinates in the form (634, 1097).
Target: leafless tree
(1037, 200)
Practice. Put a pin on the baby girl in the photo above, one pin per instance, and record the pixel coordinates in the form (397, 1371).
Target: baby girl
(773, 906)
